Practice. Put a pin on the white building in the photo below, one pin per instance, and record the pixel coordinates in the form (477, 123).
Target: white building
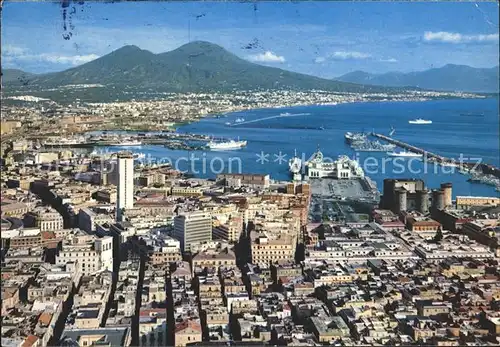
(125, 192)
(88, 219)
(91, 253)
(192, 228)
(342, 168)
(45, 218)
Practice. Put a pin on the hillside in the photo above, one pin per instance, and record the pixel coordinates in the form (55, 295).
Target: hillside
(192, 67)
(15, 75)
(449, 77)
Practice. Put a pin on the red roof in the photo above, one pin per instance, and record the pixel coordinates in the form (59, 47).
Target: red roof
(187, 324)
(29, 341)
(45, 318)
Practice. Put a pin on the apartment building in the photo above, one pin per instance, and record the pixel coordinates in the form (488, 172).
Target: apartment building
(192, 228)
(89, 252)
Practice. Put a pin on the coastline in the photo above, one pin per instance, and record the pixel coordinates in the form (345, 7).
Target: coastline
(236, 110)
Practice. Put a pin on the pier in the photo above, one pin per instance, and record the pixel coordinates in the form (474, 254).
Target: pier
(408, 147)
(485, 168)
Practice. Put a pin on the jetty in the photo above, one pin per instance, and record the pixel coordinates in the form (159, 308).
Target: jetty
(438, 158)
(485, 168)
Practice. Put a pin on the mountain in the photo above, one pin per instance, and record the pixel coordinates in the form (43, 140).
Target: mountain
(13, 75)
(194, 66)
(449, 77)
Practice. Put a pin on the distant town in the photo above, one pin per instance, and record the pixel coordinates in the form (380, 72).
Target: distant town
(104, 250)
(27, 115)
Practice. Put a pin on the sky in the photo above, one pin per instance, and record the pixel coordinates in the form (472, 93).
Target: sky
(325, 39)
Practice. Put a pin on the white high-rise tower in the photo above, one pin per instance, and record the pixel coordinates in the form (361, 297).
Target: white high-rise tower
(125, 194)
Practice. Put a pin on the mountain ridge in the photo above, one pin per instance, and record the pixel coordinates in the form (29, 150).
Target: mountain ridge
(450, 77)
(194, 66)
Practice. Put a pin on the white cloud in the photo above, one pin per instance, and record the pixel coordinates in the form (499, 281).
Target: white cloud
(9, 50)
(267, 57)
(343, 55)
(12, 54)
(449, 37)
(348, 55)
(389, 60)
(65, 59)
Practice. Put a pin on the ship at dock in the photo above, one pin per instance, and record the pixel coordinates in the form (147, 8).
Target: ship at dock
(226, 145)
(372, 146)
(126, 143)
(351, 138)
(404, 154)
(79, 141)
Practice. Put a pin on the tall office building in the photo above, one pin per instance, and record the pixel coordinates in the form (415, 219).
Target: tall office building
(125, 194)
(192, 228)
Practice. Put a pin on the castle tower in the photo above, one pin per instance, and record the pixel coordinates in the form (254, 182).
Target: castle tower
(447, 189)
(423, 201)
(437, 199)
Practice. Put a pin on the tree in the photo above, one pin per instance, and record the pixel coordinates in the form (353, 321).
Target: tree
(439, 235)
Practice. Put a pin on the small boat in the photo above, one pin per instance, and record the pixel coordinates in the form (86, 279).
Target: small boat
(227, 123)
(420, 121)
(404, 154)
(240, 120)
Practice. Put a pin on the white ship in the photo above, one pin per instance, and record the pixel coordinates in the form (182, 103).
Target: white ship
(64, 142)
(240, 120)
(127, 143)
(404, 154)
(228, 145)
(420, 121)
(295, 164)
(354, 137)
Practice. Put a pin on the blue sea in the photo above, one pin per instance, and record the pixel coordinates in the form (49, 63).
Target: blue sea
(273, 140)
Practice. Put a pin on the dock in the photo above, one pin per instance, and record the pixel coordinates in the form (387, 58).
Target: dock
(436, 157)
(485, 168)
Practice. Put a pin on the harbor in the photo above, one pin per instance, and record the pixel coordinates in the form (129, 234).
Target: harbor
(479, 172)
